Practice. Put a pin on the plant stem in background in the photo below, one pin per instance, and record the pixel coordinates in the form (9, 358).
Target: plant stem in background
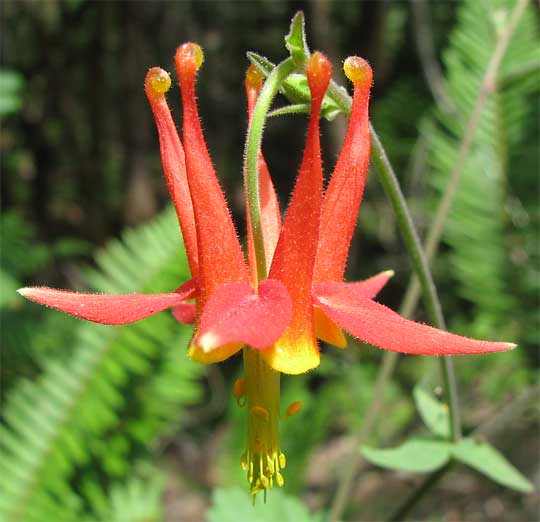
(413, 292)
(412, 241)
(504, 419)
(487, 88)
(253, 145)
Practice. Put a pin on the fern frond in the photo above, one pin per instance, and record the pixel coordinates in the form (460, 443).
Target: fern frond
(119, 389)
(476, 227)
(135, 500)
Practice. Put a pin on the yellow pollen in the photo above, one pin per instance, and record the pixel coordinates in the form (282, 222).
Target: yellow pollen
(356, 68)
(293, 408)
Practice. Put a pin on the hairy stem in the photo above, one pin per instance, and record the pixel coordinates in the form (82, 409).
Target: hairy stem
(253, 145)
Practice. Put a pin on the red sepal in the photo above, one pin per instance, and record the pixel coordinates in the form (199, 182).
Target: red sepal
(376, 324)
(367, 288)
(102, 308)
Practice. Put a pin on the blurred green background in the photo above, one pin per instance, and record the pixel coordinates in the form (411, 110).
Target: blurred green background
(116, 423)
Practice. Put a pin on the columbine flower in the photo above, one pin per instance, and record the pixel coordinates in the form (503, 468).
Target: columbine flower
(276, 320)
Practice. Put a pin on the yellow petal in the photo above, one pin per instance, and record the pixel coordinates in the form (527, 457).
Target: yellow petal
(326, 330)
(293, 354)
(217, 355)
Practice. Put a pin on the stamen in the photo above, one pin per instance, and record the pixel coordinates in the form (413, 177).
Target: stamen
(282, 460)
(262, 460)
(244, 461)
(357, 69)
(294, 408)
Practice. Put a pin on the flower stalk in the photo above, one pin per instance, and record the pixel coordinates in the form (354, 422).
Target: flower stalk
(253, 146)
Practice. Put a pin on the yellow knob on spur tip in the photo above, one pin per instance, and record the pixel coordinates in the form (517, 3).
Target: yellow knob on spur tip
(157, 82)
(189, 55)
(357, 69)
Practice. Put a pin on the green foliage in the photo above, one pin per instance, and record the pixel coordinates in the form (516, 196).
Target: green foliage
(422, 455)
(414, 455)
(11, 87)
(433, 413)
(488, 461)
(136, 500)
(295, 41)
(23, 323)
(232, 505)
(478, 227)
(296, 90)
(102, 408)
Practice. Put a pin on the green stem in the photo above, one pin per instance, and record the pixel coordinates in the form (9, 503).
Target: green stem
(253, 146)
(432, 303)
(416, 254)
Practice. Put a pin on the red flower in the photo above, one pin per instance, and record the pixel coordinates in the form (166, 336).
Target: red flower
(312, 251)
(304, 296)
(278, 319)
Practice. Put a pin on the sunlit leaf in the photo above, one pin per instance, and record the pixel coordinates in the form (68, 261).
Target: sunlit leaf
(434, 413)
(415, 455)
(485, 459)
(295, 41)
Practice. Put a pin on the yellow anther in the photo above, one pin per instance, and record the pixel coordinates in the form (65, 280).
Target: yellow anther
(282, 460)
(239, 392)
(157, 82)
(270, 465)
(244, 461)
(294, 408)
(356, 69)
(190, 54)
(254, 78)
(279, 479)
(261, 412)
